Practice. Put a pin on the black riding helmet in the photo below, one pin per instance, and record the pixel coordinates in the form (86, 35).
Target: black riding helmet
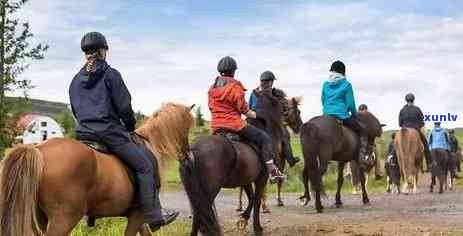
(338, 66)
(93, 41)
(267, 76)
(227, 65)
(410, 97)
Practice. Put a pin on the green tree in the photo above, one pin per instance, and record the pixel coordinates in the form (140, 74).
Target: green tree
(67, 121)
(16, 52)
(140, 117)
(199, 117)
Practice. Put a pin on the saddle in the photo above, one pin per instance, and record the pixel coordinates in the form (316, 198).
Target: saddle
(235, 139)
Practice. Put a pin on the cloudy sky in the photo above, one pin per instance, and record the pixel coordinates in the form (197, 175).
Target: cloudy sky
(168, 50)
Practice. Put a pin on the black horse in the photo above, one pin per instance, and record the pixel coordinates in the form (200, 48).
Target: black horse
(323, 139)
(219, 163)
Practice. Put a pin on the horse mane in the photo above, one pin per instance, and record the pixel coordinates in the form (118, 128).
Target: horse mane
(372, 123)
(269, 108)
(167, 131)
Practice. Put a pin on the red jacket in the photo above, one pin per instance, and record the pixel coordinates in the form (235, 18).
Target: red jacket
(226, 104)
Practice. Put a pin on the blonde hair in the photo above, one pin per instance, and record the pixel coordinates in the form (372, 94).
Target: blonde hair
(92, 56)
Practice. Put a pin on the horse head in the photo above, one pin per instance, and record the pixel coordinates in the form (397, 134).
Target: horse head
(294, 114)
(374, 130)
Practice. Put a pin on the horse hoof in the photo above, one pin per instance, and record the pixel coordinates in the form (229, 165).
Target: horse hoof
(242, 224)
(239, 209)
(258, 230)
(266, 211)
(338, 205)
(320, 210)
(280, 204)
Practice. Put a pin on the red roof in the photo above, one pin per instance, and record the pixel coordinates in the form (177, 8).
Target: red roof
(26, 119)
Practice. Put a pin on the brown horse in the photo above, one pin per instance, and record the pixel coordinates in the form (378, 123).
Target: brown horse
(324, 139)
(409, 149)
(294, 121)
(46, 189)
(218, 163)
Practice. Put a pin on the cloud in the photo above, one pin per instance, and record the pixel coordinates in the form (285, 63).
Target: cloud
(388, 53)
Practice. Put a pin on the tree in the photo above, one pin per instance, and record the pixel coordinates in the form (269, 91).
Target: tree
(15, 53)
(199, 117)
(67, 121)
(139, 117)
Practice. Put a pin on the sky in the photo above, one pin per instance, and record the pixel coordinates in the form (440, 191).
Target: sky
(168, 50)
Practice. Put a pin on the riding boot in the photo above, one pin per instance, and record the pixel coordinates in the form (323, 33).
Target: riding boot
(363, 155)
(288, 153)
(274, 172)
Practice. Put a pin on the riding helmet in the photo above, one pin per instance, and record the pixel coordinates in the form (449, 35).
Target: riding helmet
(267, 75)
(363, 107)
(93, 41)
(410, 97)
(227, 65)
(338, 66)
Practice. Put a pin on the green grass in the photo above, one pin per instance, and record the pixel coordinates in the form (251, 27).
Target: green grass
(116, 227)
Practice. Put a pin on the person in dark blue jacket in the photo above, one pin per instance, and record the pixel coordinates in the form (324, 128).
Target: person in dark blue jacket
(101, 103)
(266, 84)
(338, 101)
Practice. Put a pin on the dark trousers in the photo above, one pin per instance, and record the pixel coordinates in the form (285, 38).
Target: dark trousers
(261, 139)
(286, 145)
(358, 128)
(140, 160)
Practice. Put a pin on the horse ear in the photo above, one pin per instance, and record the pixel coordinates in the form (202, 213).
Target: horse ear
(192, 106)
(382, 125)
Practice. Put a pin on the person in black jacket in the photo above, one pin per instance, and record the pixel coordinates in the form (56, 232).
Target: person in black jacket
(101, 103)
(411, 117)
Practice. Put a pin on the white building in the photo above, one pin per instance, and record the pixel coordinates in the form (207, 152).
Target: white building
(39, 128)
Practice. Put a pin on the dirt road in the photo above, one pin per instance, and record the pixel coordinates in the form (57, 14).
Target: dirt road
(420, 214)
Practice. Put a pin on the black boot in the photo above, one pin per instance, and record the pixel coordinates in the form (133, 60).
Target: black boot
(168, 216)
(292, 161)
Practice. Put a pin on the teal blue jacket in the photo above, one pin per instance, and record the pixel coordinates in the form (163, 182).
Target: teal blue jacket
(338, 99)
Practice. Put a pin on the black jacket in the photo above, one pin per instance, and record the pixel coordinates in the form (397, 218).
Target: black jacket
(411, 117)
(101, 103)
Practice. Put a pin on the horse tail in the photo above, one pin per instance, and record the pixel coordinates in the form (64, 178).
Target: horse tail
(310, 149)
(21, 172)
(201, 200)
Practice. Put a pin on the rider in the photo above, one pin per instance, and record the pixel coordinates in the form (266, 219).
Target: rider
(266, 84)
(338, 101)
(391, 154)
(227, 104)
(411, 117)
(439, 138)
(101, 104)
(454, 147)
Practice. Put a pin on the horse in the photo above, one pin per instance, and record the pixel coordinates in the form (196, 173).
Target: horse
(409, 149)
(216, 162)
(294, 121)
(441, 168)
(46, 189)
(323, 139)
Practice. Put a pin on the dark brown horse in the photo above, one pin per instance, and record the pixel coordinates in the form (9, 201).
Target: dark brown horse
(218, 163)
(440, 169)
(294, 121)
(46, 189)
(324, 139)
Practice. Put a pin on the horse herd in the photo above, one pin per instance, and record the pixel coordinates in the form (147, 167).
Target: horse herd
(46, 189)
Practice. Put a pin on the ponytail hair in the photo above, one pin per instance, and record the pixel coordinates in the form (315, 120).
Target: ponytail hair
(91, 57)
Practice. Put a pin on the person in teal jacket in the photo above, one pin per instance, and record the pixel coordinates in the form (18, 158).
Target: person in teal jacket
(439, 138)
(338, 101)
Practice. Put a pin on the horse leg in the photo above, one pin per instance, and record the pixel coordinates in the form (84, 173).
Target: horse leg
(340, 182)
(240, 200)
(260, 186)
(62, 225)
(365, 199)
(433, 182)
(265, 208)
(305, 180)
(135, 225)
(243, 222)
(280, 202)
